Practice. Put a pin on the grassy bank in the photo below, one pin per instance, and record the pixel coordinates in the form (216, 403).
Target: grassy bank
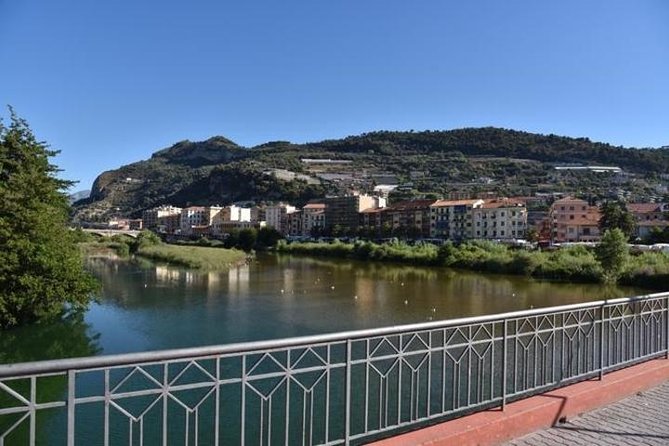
(149, 246)
(193, 256)
(104, 249)
(574, 264)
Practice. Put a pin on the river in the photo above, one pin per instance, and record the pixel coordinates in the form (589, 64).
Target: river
(149, 307)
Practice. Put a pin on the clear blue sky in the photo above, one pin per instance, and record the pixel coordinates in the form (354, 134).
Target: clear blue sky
(109, 82)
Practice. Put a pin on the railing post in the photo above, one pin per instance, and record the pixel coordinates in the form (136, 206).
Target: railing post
(348, 393)
(71, 389)
(666, 326)
(504, 366)
(601, 343)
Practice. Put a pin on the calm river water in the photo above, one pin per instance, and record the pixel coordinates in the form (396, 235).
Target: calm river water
(148, 307)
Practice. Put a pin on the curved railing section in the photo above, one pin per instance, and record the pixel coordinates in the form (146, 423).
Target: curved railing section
(333, 389)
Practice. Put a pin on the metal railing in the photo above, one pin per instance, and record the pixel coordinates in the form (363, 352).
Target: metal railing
(333, 389)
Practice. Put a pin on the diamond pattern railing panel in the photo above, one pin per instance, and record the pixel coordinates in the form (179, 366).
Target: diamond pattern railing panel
(333, 389)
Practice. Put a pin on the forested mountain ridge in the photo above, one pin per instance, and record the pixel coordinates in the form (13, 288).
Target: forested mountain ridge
(425, 163)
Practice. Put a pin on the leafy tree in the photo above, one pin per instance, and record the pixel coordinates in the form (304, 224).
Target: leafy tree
(613, 254)
(268, 237)
(41, 271)
(616, 216)
(144, 239)
(247, 239)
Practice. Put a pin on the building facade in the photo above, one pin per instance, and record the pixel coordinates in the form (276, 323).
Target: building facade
(408, 218)
(313, 218)
(453, 219)
(342, 212)
(574, 220)
(151, 217)
(275, 216)
(500, 219)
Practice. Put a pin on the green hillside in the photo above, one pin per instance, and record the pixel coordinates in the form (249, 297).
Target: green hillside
(429, 163)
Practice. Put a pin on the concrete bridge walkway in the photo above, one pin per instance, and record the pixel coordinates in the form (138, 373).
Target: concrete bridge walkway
(642, 419)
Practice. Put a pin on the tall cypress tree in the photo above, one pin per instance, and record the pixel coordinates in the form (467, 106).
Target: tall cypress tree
(41, 270)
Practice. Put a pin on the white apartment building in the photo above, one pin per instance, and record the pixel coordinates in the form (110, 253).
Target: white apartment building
(275, 216)
(500, 219)
(198, 217)
(231, 217)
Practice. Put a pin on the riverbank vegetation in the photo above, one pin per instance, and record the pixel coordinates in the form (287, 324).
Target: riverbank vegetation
(149, 246)
(193, 256)
(575, 264)
(41, 270)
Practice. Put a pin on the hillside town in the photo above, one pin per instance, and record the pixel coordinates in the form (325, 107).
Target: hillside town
(547, 219)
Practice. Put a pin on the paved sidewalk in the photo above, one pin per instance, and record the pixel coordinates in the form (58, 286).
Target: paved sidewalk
(639, 420)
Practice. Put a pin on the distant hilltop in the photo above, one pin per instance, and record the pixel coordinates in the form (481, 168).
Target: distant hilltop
(415, 164)
(80, 195)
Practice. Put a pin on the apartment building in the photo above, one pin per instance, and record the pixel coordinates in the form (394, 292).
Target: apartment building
(498, 219)
(648, 211)
(574, 220)
(313, 218)
(229, 218)
(151, 217)
(453, 219)
(195, 219)
(343, 211)
(408, 218)
(293, 223)
(370, 219)
(275, 216)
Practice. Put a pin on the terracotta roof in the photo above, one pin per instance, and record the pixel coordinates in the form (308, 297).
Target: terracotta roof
(503, 202)
(440, 203)
(372, 210)
(314, 206)
(642, 208)
(410, 204)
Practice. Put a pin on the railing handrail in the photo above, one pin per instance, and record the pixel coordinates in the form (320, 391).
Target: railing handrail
(92, 362)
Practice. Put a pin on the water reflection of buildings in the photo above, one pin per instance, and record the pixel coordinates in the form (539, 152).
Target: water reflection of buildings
(366, 292)
(167, 274)
(238, 280)
(172, 277)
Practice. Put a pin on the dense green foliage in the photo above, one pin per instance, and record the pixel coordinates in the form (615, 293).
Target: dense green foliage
(576, 264)
(245, 239)
(41, 271)
(431, 163)
(616, 216)
(613, 254)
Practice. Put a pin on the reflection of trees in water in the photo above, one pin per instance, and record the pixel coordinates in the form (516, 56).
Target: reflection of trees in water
(467, 283)
(66, 338)
(387, 271)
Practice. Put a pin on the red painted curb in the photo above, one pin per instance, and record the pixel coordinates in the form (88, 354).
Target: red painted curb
(493, 427)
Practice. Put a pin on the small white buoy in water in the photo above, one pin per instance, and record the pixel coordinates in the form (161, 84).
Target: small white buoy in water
(531, 306)
(355, 297)
(513, 294)
(402, 284)
(406, 302)
(434, 310)
(281, 290)
(332, 287)
(145, 285)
